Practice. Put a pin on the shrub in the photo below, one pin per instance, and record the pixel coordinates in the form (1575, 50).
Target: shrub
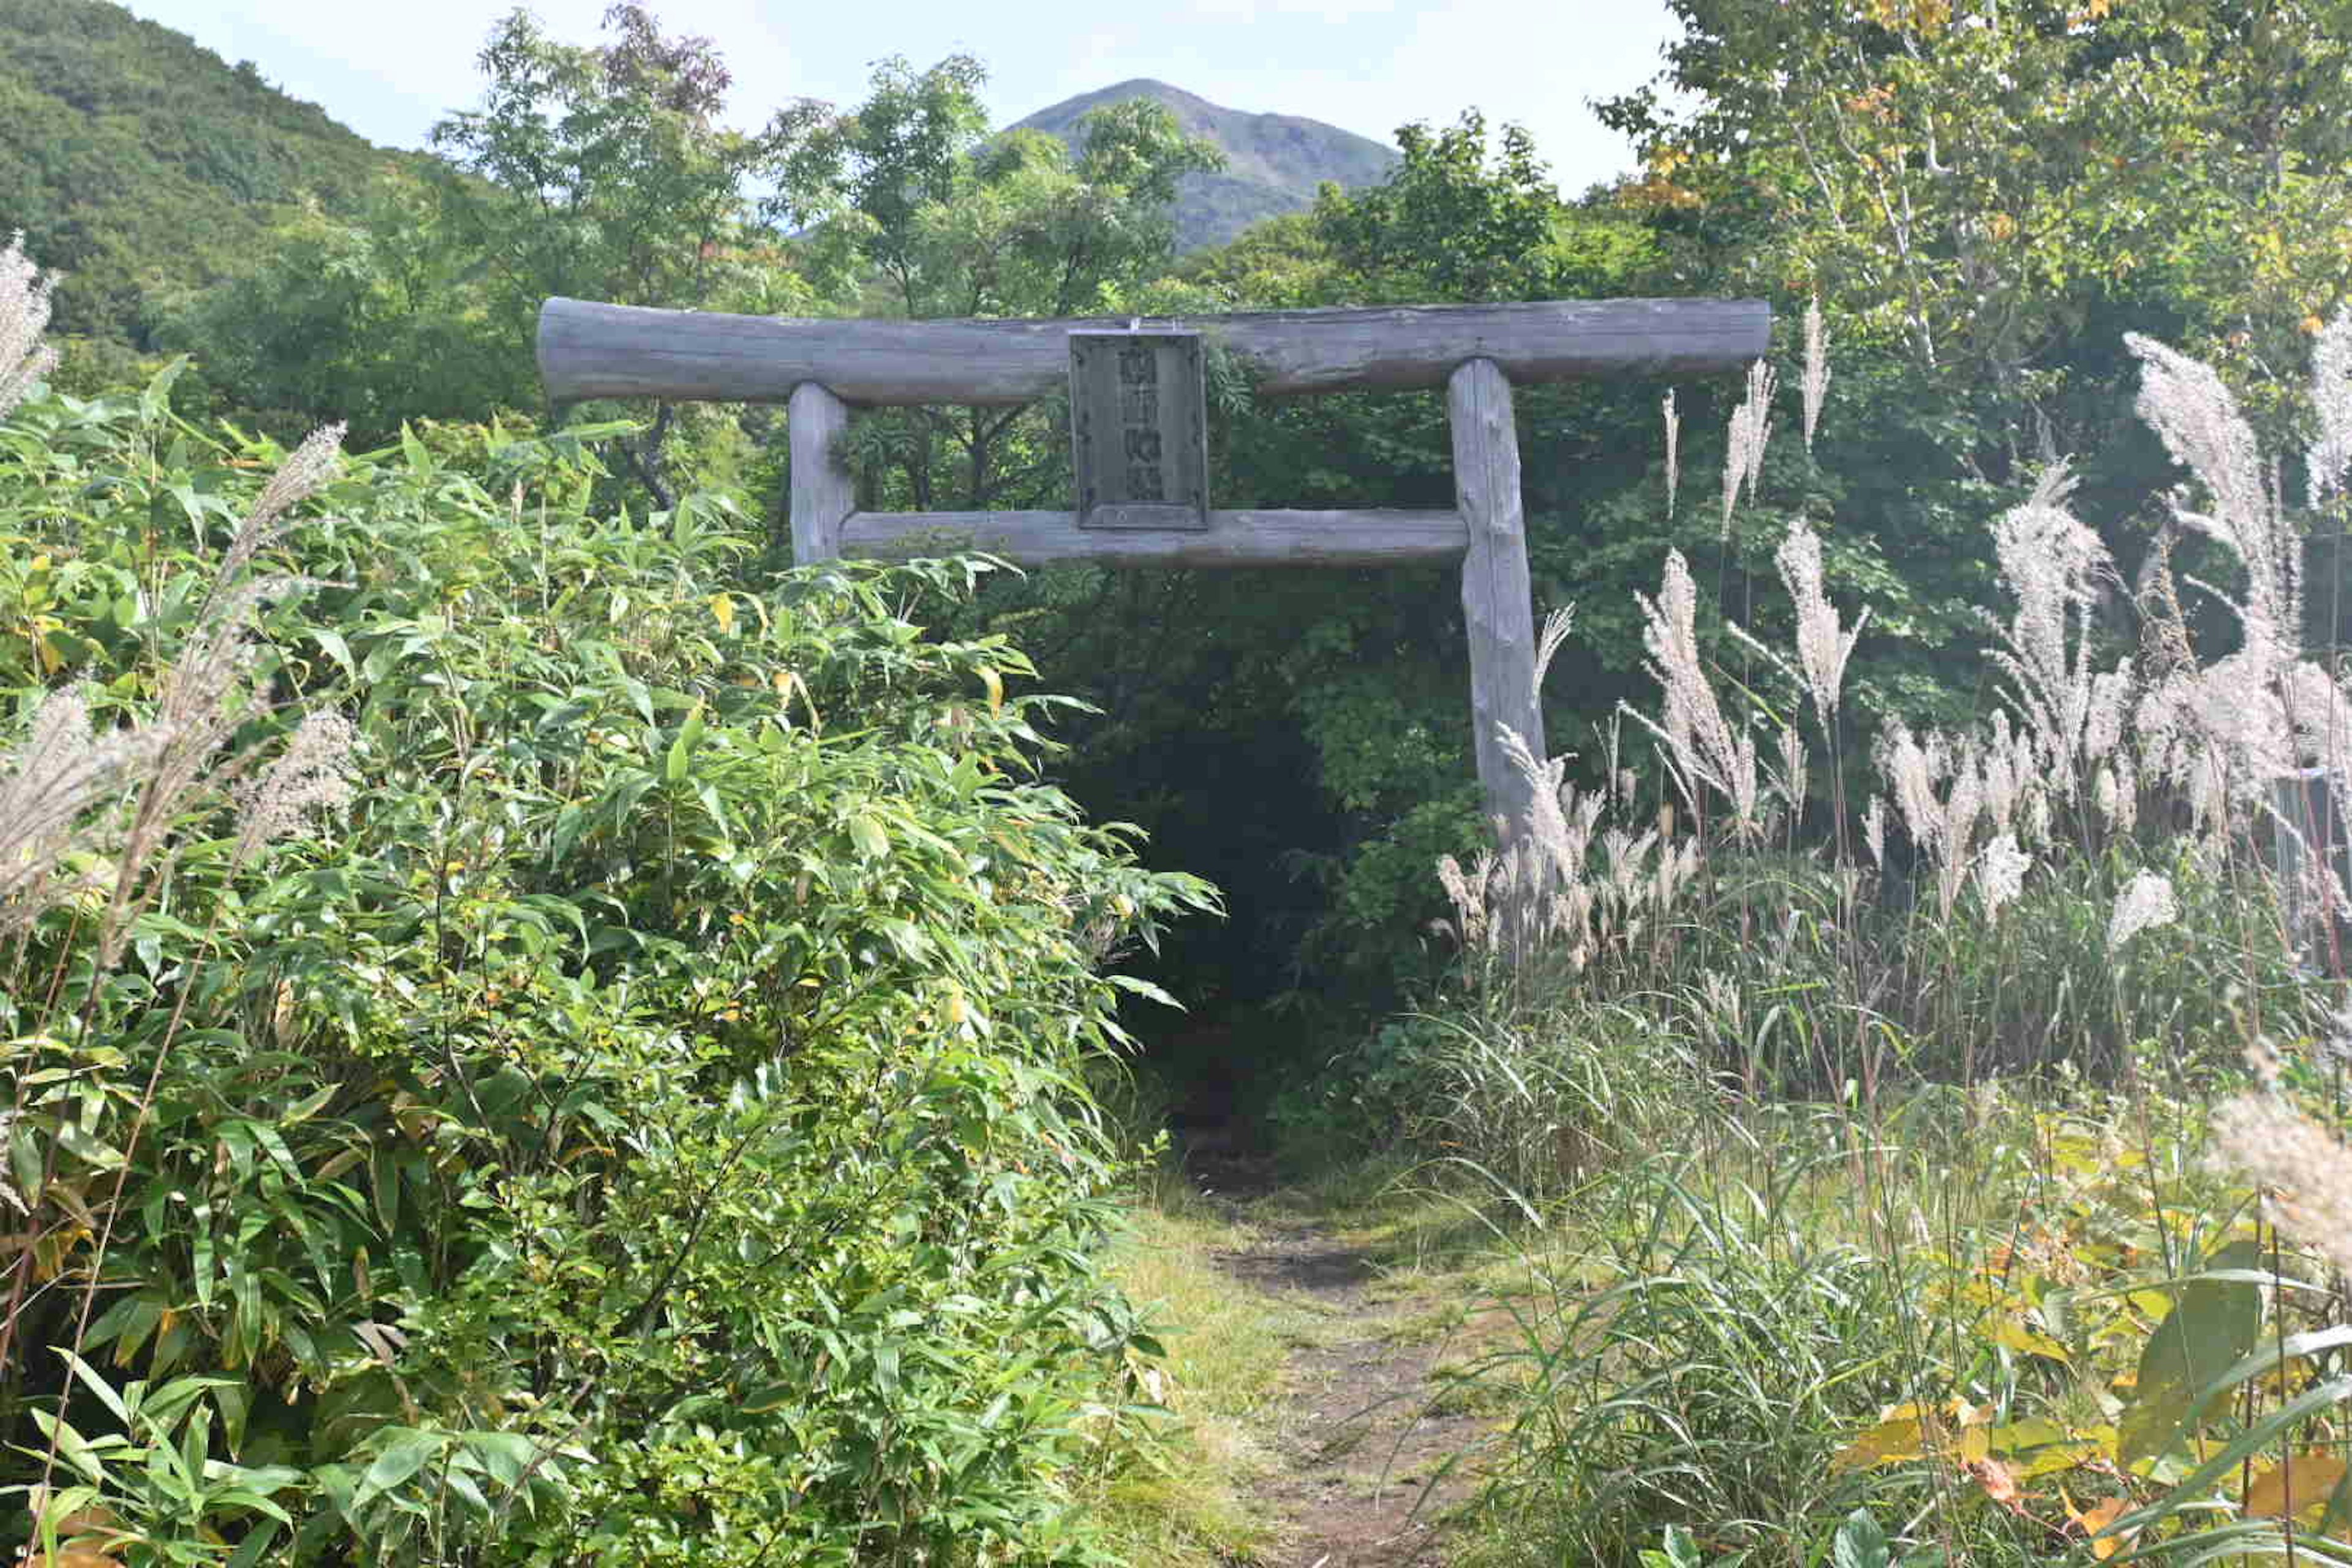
(645, 1121)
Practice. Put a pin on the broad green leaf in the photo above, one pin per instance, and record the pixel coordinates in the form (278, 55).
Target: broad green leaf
(2213, 1324)
(335, 647)
(25, 1160)
(407, 1453)
(1859, 1543)
(82, 1146)
(1677, 1549)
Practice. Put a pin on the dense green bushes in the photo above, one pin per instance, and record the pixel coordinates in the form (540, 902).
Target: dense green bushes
(643, 1120)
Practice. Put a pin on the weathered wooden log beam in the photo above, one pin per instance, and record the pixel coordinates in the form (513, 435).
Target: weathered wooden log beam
(1232, 538)
(588, 350)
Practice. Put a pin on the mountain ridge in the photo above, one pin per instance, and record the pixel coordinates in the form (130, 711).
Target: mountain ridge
(1274, 162)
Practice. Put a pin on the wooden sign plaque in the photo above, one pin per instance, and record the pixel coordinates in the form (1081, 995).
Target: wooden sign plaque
(1139, 430)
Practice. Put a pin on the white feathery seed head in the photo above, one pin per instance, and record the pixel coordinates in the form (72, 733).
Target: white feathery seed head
(2304, 1172)
(2000, 872)
(1822, 648)
(2145, 902)
(1816, 383)
(1674, 450)
(312, 773)
(2197, 419)
(1750, 431)
(25, 358)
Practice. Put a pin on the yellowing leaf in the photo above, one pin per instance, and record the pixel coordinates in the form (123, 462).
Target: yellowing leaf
(2016, 1336)
(2095, 1519)
(2305, 1480)
(2056, 1457)
(2033, 1432)
(1900, 1436)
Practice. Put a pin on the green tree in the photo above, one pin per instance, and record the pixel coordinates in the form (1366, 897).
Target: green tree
(1980, 186)
(604, 174)
(1452, 223)
(909, 194)
(373, 320)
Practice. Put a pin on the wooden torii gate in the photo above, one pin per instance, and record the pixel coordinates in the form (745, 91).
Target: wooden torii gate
(822, 369)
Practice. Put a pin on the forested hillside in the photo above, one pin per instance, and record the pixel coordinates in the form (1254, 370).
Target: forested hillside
(141, 166)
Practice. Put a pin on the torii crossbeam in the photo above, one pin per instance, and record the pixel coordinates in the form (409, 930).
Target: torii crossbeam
(822, 368)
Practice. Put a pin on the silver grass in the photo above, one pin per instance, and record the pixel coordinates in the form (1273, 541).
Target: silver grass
(1625, 855)
(2145, 903)
(2000, 872)
(1816, 383)
(1791, 781)
(2197, 417)
(2305, 1175)
(25, 358)
(1673, 451)
(1911, 772)
(1700, 743)
(2007, 774)
(1822, 648)
(2331, 401)
(1750, 431)
(299, 477)
(2050, 566)
(54, 784)
(1962, 804)
(1556, 628)
(312, 773)
(204, 697)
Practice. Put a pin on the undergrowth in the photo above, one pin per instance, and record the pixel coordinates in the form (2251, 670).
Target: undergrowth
(529, 1038)
(1940, 1159)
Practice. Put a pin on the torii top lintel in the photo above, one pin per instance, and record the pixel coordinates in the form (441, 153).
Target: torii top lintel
(588, 350)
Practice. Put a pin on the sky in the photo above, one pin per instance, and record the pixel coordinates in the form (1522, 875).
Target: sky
(390, 70)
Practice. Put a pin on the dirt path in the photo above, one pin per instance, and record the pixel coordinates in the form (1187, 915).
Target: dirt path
(1368, 1423)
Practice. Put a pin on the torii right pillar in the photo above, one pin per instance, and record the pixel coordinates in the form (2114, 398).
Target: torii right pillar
(1497, 601)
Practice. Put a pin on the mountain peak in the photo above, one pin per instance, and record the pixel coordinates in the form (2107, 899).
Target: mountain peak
(1273, 162)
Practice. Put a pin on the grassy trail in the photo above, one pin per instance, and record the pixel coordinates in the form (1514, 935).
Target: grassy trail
(1315, 1351)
